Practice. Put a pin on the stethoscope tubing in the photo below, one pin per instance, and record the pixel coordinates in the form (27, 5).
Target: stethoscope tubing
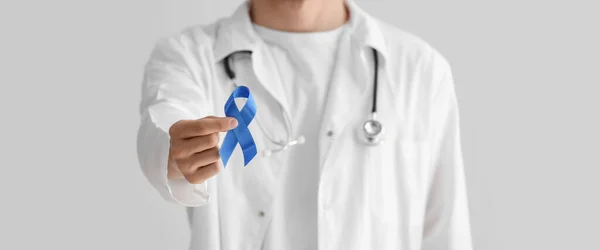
(370, 138)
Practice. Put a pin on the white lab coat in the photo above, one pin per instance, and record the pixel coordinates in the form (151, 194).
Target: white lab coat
(407, 193)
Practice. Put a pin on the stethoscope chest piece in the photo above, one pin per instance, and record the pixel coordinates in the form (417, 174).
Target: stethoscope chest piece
(372, 132)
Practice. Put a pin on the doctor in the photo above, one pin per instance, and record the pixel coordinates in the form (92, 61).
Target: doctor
(318, 71)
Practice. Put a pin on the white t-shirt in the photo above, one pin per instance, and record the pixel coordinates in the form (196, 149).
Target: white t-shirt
(305, 62)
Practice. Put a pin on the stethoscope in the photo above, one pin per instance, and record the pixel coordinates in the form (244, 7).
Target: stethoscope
(370, 134)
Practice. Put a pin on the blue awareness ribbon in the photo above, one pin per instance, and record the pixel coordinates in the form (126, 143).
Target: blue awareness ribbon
(240, 134)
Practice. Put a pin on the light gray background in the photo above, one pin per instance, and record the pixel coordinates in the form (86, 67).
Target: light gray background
(527, 76)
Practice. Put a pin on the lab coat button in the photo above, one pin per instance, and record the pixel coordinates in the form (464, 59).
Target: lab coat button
(261, 214)
(330, 133)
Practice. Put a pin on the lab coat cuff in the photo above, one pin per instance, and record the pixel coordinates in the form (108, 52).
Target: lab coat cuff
(180, 191)
(187, 194)
(154, 148)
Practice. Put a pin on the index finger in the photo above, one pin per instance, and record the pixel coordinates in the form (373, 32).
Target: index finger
(207, 125)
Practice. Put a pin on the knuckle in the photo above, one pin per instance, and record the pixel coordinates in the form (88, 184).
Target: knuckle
(216, 167)
(177, 151)
(212, 169)
(174, 151)
(193, 179)
(183, 165)
(181, 153)
(173, 128)
(213, 140)
(213, 154)
(201, 129)
(177, 127)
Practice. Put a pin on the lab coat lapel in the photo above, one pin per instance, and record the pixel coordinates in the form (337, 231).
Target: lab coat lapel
(348, 90)
(268, 76)
(259, 73)
(351, 86)
(237, 34)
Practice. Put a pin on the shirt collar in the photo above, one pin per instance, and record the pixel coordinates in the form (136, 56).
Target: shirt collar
(237, 34)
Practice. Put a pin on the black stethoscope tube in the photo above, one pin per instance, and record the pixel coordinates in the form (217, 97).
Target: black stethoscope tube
(375, 80)
(226, 62)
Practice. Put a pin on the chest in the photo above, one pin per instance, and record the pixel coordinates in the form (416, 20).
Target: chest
(356, 180)
(333, 115)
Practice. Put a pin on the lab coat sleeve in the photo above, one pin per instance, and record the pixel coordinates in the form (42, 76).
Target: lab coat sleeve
(446, 225)
(169, 93)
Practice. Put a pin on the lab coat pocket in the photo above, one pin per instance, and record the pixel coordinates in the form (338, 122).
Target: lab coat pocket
(379, 186)
(395, 180)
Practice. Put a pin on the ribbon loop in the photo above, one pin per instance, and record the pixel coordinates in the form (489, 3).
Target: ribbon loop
(241, 134)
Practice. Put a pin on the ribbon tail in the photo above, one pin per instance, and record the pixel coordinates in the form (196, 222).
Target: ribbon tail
(249, 153)
(244, 138)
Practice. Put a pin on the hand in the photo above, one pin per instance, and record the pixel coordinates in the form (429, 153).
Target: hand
(194, 154)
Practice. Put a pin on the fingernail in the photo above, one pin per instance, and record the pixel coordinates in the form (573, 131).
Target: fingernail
(233, 123)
